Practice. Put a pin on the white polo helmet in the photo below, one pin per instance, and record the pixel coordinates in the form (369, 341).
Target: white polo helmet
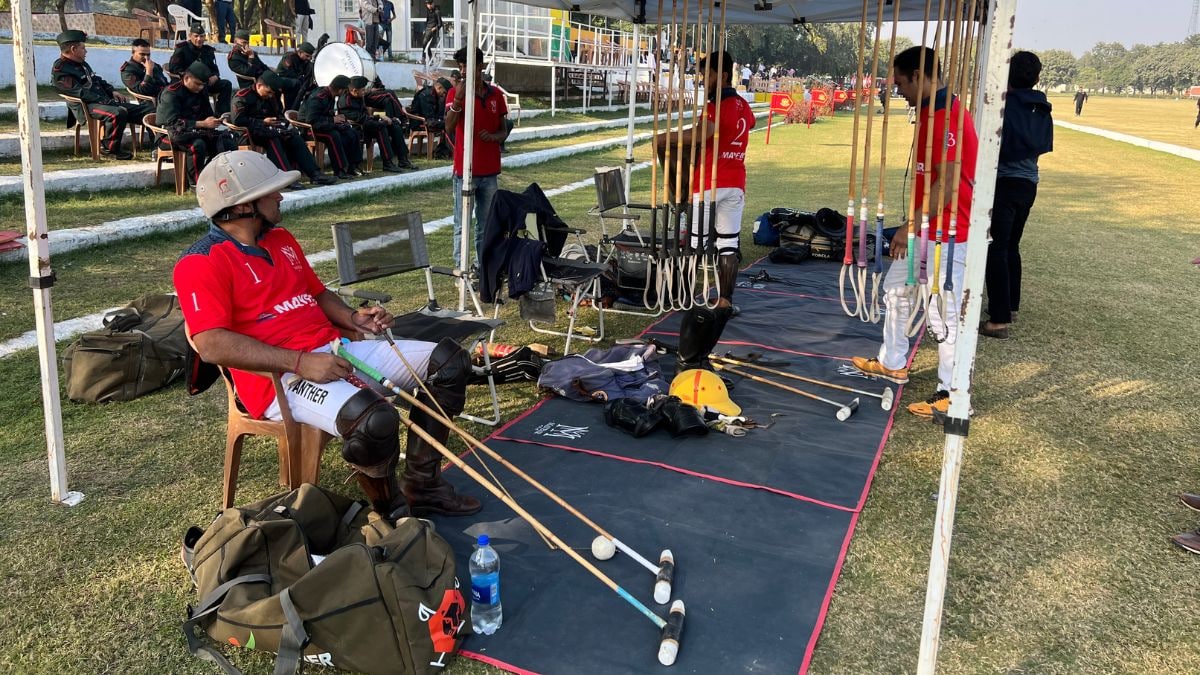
(239, 177)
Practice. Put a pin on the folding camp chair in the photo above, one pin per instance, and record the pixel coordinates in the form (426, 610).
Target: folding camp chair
(523, 245)
(632, 252)
(380, 247)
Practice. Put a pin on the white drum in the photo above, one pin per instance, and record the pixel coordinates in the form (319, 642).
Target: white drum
(339, 58)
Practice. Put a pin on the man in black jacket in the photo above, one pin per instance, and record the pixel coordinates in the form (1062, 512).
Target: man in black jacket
(192, 50)
(430, 103)
(385, 131)
(297, 65)
(72, 76)
(185, 112)
(1028, 134)
(244, 61)
(141, 74)
(257, 108)
(332, 129)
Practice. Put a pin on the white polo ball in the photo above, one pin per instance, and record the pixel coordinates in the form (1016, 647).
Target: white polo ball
(603, 549)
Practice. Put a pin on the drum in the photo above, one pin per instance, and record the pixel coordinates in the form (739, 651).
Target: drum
(339, 58)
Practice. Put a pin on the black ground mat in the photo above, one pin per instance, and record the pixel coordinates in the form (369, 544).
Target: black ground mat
(753, 568)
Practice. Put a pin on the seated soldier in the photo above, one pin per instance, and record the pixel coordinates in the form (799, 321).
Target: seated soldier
(297, 66)
(141, 74)
(385, 131)
(430, 103)
(244, 61)
(258, 109)
(72, 76)
(332, 129)
(253, 303)
(192, 50)
(185, 112)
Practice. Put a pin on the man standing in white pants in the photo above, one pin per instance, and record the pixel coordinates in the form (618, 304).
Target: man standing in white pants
(948, 143)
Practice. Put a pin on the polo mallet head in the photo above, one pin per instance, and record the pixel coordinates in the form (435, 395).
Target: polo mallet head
(847, 410)
(664, 579)
(668, 649)
(887, 398)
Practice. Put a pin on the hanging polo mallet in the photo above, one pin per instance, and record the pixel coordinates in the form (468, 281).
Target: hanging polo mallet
(671, 630)
(844, 410)
(604, 546)
(886, 398)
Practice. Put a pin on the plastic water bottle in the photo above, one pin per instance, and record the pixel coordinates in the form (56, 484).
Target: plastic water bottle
(486, 612)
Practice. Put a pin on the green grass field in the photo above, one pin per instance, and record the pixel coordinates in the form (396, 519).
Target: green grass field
(1082, 437)
(1158, 119)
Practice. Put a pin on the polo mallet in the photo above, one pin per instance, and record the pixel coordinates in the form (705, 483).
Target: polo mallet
(864, 308)
(845, 410)
(603, 546)
(886, 398)
(848, 271)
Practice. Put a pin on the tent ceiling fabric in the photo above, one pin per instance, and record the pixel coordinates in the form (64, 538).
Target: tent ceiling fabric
(741, 11)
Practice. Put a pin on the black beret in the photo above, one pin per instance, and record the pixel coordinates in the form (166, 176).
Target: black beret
(272, 80)
(445, 83)
(197, 29)
(68, 36)
(306, 47)
(359, 82)
(340, 82)
(242, 34)
(199, 71)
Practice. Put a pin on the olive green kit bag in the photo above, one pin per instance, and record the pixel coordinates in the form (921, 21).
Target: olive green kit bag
(312, 576)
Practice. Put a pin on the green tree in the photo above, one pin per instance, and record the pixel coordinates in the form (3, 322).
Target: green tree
(1059, 68)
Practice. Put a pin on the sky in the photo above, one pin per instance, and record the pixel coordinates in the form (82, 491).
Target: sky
(1077, 25)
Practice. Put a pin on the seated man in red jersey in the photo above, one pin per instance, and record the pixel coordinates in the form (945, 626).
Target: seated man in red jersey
(253, 303)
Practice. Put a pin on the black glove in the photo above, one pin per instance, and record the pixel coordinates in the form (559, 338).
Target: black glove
(680, 418)
(632, 417)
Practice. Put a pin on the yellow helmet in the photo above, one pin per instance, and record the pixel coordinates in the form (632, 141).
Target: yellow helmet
(704, 389)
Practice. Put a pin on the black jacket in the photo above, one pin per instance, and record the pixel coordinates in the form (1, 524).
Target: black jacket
(291, 65)
(78, 80)
(355, 109)
(133, 75)
(186, 54)
(179, 110)
(250, 109)
(246, 66)
(429, 105)
(319, 109)
(504, 222)
(1028, 126)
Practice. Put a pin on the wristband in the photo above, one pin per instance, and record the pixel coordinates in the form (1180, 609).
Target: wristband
(455, 110)
(296, 368)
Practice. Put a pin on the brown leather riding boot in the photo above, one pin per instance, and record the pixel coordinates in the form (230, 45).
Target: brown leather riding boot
(385, 495)
(427, 491)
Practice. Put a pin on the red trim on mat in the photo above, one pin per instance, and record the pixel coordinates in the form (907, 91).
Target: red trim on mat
(686, 472)
(833, 579)
(476, 656)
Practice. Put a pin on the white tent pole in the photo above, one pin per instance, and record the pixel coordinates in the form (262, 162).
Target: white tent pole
(1001, 15)
(41, 276)
(468, 141)
(553, 92)
(632, 89)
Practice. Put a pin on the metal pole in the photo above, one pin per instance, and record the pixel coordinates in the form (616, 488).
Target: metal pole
(553, 92)
(468, 141)
(41, 276)
(632, 89)
(1001, 15)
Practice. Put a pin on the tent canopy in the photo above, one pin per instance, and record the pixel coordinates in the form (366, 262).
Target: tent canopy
(790, 12)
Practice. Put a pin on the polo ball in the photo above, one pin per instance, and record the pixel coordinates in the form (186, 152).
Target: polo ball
(603, 549)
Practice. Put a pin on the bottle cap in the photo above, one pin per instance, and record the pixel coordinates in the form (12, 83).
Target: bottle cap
(483, 540)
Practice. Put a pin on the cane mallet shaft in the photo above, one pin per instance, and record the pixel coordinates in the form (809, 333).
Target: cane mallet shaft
(664, 572)
(886, 398)
(669, 645)
(845, 410)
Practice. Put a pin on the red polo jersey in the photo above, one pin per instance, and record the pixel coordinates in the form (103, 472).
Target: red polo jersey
(734, 137)
(966, 142)
(490, 111)
(267, 292)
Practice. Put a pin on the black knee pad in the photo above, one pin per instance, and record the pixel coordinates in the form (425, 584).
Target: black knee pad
(370, 429)
(446, 378)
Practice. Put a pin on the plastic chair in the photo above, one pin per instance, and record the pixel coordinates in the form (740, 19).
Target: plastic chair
(300, 445)
(513, 103)
(88, 122)
(419, 135)
(317, 148)
(183, 18)
(171, 154)
(241, 133)
(279, 35)
(153, 26)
